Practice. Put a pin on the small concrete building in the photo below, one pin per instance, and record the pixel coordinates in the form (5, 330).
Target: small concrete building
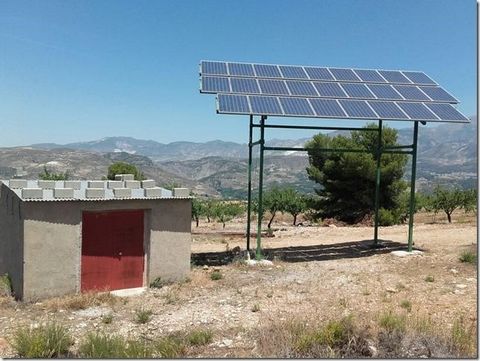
(60, 237)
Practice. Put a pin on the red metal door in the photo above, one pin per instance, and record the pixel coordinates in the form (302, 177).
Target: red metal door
(112, 250)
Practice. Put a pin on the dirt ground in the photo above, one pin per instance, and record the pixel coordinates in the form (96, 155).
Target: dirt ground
(248, 297)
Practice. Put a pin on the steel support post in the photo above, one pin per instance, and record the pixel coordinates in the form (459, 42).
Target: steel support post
(249, 194)
(377, 182)
(258, 253)
(412, 188)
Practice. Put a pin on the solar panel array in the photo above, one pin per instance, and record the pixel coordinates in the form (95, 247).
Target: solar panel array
(303, 91)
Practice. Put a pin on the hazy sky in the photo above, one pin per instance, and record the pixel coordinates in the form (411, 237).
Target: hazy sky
(83, 70)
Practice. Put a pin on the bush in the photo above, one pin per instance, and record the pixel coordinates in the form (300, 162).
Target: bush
(6, 285)
(468, 257)
(429, 278)
(199, 337)
(143, 316)
(392, 322)
(386, 217)
(157, 283)
(406, 304)
(215, 276)
(170, 347)
(111, 346)
(107, 319)
(43, 342)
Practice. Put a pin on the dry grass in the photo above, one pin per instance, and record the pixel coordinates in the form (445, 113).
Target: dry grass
(80, 301)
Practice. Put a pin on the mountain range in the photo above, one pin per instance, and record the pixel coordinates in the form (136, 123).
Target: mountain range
(447, 153)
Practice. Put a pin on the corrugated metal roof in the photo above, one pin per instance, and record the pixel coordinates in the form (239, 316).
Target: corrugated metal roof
(80, 194)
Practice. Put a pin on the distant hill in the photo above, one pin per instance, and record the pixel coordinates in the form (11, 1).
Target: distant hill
(447, 154)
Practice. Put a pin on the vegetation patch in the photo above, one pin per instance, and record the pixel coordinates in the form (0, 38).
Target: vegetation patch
(468, 257)
(47, 341)
(80, 301)
(216, 275)
(199, 337)
(143, 316)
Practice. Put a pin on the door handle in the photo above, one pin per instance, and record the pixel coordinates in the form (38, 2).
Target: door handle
(119, 253)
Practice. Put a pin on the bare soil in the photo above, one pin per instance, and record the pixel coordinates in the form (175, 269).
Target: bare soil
(248, 297)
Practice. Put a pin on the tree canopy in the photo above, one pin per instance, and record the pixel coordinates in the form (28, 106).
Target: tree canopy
(124, 168)
(347, 180)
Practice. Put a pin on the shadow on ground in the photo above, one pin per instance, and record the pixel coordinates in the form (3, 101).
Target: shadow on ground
(321, 252)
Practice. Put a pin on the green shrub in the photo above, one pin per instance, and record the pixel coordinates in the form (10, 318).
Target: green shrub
(464, 337)
(6, 285)
(429, 278)
(386, 217)
(391, 322)
(256, 307)
(468, 257)
(170, 347)
(143, 316)
(107, 319)
(406, 304)
(199, 337)
(138, 349)
(216, 275)
(157, 283)
(43, 342)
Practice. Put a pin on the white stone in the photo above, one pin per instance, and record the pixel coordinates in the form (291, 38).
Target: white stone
(63, 193)
(72, 184)
(18, 183)
(124, 177)
(114, 184)
(406, 253)
(148, 183)
(46, 184)
(153, 192)
(129, 292)
(180, 192)
(95, 193)
(132, 184)
(122, 192)
(32, 193)
(96, 184)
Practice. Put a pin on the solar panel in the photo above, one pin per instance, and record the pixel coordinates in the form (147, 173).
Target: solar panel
(438, 94)
(287, 90)
(418, 77)
(342, 108)
(213, 84)
(394, 76)
(318, 73)
(332, 90)
(369, 75)
(357, 109)
(446, 112)
(214, 68)
(314, 73)
(357, 91)
(411, 92)
(244, 85)
(233, 104)
(387, 110)
(241, 69)
(384, 91)
(293, 72)
(269, 86)
(301, 88)
(327, 108)
(267, 71)
(417, 111)
(296, 106)
(344, 74)
(265, 105)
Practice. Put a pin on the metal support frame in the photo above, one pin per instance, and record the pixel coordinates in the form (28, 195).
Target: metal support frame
(400, 149)
(249, 195)
(412, 187)
(258, 251)
(377, 182)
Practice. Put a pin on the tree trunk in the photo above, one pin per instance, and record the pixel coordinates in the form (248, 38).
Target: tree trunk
(208, 219)
(449, 217)
(223, 224)
(271, 220)
(294, 219)
(196, 220)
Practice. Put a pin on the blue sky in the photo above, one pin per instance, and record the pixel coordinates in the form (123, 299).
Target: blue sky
(84, 70)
